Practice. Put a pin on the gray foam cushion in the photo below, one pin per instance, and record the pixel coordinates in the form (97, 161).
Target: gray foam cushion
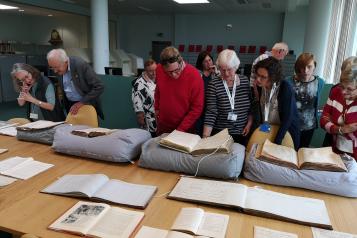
(120, 146)
(44, 136)
(225, 166)
(338, 183)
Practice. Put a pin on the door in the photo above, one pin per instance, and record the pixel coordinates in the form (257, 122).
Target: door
(157, 47)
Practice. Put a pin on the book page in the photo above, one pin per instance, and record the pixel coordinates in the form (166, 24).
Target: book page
(262, 232)
(189, 219)
(117, 223)
(9, 131)
(150, 232)
(81, 217)
(3, 151)
(130, 194)
(77, 185)
(180, 140)
(12, 162)
(213, 225)
(209, 191)
(321, 233)
(279, 153)
(4, 181)
(40, 124)
(220, 140)
(27, 169)
(5, 124)
(91, 132)
(323, 156)
(307, 210)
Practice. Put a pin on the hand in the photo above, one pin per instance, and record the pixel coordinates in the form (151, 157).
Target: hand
(25, 88)
(246, 129)
(75, 107)
(140, 117)
(349, 128)
(27, 97)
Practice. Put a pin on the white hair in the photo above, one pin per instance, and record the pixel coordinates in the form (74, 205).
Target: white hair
(229, 58)
(58, 54)
(281, 46)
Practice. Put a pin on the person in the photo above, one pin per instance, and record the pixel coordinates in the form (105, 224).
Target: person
(307, 88)
(179, 93)
(339, 116)
(79, 82)
(277, 101)
(143, 97)
(208, 70)
(279, 51)
(37, 92)
(228, 100)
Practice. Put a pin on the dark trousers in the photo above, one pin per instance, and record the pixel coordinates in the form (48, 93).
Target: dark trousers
(305, 137)
(240, 139)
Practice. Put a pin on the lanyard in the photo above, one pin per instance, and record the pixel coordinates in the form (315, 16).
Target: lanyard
(267, 104)
(231, 97)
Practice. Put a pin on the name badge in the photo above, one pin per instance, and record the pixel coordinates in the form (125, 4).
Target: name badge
(344, 144)
(265, 127)
(232, 116)
(34, 116)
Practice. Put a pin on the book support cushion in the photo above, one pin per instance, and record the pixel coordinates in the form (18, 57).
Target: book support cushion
(120, 146)
(225, 166)
(338, 183)
(44, 136)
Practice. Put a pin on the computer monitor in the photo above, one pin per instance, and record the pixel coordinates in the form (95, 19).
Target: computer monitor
(113, 71)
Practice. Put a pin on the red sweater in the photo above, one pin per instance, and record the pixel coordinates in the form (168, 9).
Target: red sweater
(179, 102)
(337, 113)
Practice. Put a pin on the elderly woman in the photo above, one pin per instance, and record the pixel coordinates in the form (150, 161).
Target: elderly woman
(37, 92)
(307, 88)
(277, 101)
(339, 116)
(228, 100)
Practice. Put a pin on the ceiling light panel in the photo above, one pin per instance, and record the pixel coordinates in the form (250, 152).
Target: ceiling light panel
(191, 1)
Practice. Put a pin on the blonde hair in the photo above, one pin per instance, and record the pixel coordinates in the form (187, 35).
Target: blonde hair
(349, 70)
(170, 55)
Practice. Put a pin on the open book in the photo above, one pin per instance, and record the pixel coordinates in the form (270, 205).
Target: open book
(40, 124)
(150, 232)
(93, 132)
(4, 181)
(320, 233)
(253, 200)
(98, 220)
(100, 187)
(22, 168)
(262, 232)
(193, 144)
(306, 158)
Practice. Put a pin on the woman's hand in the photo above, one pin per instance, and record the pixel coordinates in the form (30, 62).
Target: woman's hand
(349, 128)
(28, 97)
(247, 127)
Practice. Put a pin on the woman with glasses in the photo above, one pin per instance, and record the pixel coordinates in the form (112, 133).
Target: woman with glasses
(37, 92)
(277, 101)
(228, 100)
(307, 88)
(339, 116)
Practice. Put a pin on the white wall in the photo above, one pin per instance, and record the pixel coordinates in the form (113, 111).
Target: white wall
(294, 29)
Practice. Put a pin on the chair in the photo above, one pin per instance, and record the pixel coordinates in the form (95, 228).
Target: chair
(86, 115)
(181, 48)
(242, 49)
(209, 48)
(191, 48)
(262, 49)
(19, 121)
(231, 47)
(252, 49)
(219, 48)
(198, 48)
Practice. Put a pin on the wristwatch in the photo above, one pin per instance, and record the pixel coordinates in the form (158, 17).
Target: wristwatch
(39, 103)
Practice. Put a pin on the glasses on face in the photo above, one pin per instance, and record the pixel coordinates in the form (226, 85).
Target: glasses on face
(170, 60)
(227, 70)
(22, 79)
(348, 89)
(175, 71)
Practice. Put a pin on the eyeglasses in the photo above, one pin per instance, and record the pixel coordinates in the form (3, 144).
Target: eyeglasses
(170, 60)
(20, 80)
(347, 89)
(175, 71)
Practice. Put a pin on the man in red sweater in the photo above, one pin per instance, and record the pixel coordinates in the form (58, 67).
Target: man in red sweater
(179, 94)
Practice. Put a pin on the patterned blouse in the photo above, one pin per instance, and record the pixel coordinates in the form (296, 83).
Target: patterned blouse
(143, 101)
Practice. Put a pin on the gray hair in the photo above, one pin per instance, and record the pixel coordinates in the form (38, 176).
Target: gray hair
(21, 67)
(229, 58)
(349, 70)
(281, 46)
(58, 54)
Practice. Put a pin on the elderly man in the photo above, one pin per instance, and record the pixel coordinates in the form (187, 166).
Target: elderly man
(79, 82)
(143, 92)
(179, 93)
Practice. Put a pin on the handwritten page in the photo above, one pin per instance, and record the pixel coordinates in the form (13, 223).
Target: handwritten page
(321, 233)
(27, 169)
(262, 232)
(12, 162)
(213, 225)
(279, 152)
(4, 181)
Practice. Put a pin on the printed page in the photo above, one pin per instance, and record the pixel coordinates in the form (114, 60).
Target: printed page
(189, 219)
(321, 233)
(150, 232)
(180, 140)
(126, 193)
(9, 131)
(76, 185)
(117, 223)
(40, 124)
(4, 181)
(303, 209)
(209, 191)
(213, 225)
(27, 169)
(262, 232)
(81, 217)
(323, 155)
(279, 153)
(12, 162)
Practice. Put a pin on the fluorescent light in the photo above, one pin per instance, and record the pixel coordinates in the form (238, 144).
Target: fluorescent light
(191, 1)
(7, 7)
(50, 15)
(21, 10)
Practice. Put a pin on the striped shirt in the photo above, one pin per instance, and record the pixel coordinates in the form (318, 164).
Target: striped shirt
(218, 105)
